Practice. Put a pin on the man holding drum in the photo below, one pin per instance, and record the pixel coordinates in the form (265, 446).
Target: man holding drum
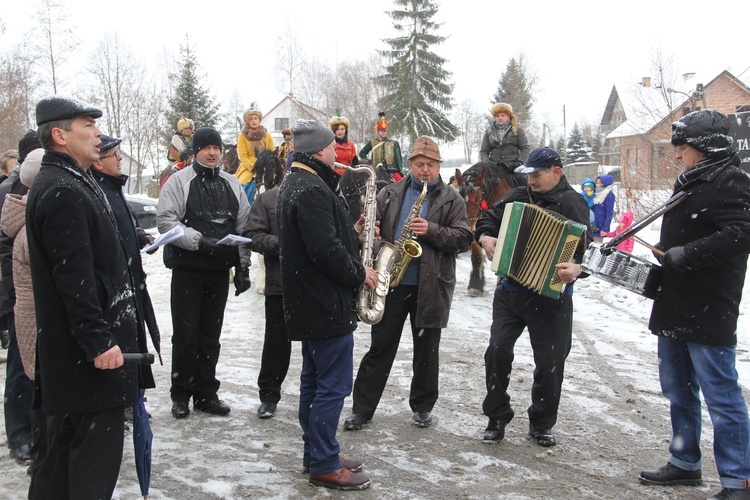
(706, 241)
(515, 307)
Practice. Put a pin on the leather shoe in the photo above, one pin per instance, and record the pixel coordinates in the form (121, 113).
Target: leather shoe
(495, 431)
(354, 422)
(266, 410)
(340, 479)
(180, 409)
(726, 493)
(212, 406)
(422, 419)
(543, 436)
(671, 475)
(350, 465)
(22, 454)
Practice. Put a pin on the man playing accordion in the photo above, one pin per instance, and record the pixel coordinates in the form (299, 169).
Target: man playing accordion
(515, 307)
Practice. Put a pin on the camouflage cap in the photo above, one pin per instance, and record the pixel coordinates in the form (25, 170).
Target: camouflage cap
(426, 147)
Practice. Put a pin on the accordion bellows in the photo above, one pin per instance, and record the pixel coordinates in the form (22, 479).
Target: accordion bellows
(531, 242)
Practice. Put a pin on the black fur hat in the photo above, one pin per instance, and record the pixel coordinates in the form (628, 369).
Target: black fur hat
(705, 130)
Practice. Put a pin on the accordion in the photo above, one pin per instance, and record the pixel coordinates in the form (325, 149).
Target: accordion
(531, 242)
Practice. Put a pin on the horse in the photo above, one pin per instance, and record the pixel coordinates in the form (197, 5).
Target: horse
(354, 187)
(230, 160)
(481, 186)
(268, 170)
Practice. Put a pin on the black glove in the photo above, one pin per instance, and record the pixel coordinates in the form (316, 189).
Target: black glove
(209, 246)
(675, 258)
(241, 280)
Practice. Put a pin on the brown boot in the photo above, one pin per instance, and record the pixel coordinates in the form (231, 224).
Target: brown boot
(352, 465)
(341, 479)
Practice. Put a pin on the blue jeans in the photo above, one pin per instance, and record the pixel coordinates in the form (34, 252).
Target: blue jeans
(325, 381)
(685, 368)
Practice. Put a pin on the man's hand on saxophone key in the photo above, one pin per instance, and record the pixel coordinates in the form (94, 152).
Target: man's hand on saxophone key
(371, 277)
(419, 226)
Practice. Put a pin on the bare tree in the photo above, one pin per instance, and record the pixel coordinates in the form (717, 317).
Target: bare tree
(56, 39)
(290, 61)
(132, 102)
(471, 124)
(18, 83)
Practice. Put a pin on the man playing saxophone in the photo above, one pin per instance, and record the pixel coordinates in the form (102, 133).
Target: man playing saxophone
(436, 219)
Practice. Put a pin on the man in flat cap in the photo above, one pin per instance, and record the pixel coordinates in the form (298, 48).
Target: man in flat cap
(208, 204)
(516, 307)
(86, 310)
(706, 241)
(108, 174)
(320, 273)
(441, 228)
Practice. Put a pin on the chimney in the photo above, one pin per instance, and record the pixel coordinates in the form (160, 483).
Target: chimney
(646, 81)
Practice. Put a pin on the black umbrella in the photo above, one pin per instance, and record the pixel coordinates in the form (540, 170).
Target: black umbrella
(143, 436)
(142, 439)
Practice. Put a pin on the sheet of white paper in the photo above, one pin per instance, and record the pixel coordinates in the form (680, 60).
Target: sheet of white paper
(164, 238)
(233, 240)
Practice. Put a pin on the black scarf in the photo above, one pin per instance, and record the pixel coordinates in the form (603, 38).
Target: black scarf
(699, 169)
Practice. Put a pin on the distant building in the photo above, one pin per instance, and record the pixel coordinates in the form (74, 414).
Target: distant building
(638, 117)
(288, 111)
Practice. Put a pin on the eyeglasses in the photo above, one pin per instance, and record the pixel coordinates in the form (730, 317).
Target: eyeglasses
(116, 154)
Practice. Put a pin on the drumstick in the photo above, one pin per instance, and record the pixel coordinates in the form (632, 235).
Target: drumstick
(648, 245)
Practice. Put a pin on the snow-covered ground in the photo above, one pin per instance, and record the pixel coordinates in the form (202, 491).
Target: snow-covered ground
(613, 420)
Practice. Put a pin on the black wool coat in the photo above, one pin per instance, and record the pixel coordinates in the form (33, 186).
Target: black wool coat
(85, 303)
(319, 251)
(713, 224)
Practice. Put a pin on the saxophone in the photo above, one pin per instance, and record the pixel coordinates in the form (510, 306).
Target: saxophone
(407, 245)
(371, 302)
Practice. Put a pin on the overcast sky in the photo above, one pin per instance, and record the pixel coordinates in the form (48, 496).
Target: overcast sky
(578, 49)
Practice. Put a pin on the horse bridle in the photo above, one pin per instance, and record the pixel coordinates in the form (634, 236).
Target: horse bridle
(475, 201)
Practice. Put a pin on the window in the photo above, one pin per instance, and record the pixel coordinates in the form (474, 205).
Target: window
(280, 123)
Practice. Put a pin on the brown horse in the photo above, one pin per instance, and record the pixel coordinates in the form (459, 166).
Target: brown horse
(481, 185)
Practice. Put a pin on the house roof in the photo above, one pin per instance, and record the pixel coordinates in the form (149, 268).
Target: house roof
(308, 111)
(647, 106)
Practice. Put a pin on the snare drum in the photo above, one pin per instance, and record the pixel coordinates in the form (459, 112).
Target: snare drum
(623, 269)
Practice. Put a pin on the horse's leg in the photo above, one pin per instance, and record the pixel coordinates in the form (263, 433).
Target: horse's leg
(476, 278)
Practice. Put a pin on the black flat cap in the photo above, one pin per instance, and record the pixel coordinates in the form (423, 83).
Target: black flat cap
(56, 107)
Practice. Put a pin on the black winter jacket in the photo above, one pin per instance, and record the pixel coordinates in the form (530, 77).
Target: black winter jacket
(263, 228)
(319, 251)
(713, 224)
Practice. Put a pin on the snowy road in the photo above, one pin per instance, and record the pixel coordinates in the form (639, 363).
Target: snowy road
(613, 421)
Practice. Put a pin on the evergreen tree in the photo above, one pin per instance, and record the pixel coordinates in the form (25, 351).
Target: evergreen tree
(190, 99)
(417, 93)
(560, 148)
(516, 87)
(578, 150)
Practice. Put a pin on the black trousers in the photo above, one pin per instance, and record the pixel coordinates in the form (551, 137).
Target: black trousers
(376, 365)
(198, 302)
(550, 324)
(277, 349)
(82, 456)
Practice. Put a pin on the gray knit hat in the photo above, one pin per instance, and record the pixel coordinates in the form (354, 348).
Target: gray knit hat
(311, 136)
